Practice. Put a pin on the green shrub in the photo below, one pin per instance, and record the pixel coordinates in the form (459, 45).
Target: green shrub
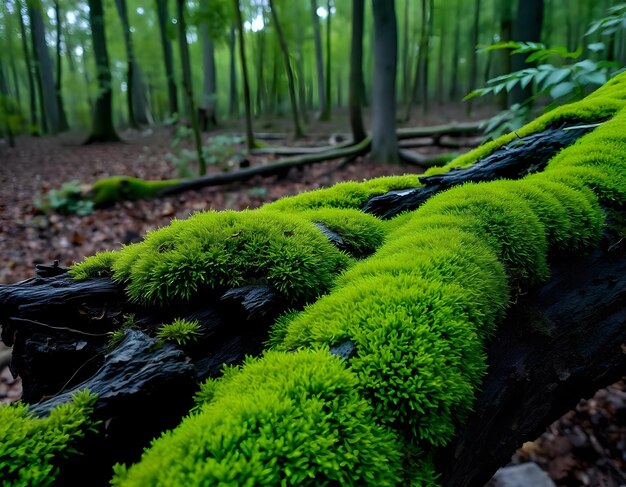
(68, 200)
(30, 448)
(285, 419)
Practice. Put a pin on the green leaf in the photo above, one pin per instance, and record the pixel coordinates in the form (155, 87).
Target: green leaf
(596, 46)
(562, 89)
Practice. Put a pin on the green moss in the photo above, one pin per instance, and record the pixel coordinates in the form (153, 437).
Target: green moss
(179, 331)
(30, 448)
(97, 265)
(504, 221)
(361, 233)
(108, 191)
(345, 195)
(283, 419)
(217, 250)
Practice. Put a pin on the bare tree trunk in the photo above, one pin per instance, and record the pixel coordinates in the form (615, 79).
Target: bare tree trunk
(506, 34)
(406, 60)
(63, 125)
(327, 108)
(473, 56)
(301, 83)
(102, 129)
(6, 108)
(425, 71)
(384, 139)
(292, 89)
(187, 83)
(356, 71)
(209, 86)
(261, 89)
(233, 99)
(168, 57)
(32, 93)
(244, 70)
(528, 26)
(44, 62)
(440, 85)
(319, 63)
(456, 49)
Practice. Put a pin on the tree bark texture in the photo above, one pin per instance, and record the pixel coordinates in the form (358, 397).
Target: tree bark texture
(102, 127)
(356, 71)
(384, 140)
(527, 28)
(246, 84)
(168, 56)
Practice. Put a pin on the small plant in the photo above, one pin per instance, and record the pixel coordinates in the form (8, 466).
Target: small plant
(67, 200)
(555, 76)
(180, 331)
(218, 151)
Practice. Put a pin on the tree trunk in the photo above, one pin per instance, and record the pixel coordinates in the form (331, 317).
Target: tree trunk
(102, 129)
(168, 57)
(406, 58)
(187, 84)
(528, 25)
(261, 88)
(63, 124)
(8, 23)
(244, 71)
(6, 108)
(319, 63)
(356, 71)
(233, 99)
(440, 85)
(32, 93)
(292, 88)
(44, 62)
(425, 75)
(209, 85)
(473, 55)
(384, 139)
(456, 50)
(301, 82)
(420, 82)
(328, 78)
(506, 34)
(135, 90)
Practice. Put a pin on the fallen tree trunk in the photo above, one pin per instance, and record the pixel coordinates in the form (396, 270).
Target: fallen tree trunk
(51, 321)
(558, 344)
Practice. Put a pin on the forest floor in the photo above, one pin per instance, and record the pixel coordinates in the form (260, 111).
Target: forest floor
(585, 447)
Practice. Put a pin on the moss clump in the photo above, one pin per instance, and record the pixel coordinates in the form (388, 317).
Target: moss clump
(179, 331)
(227, 249)
(31, 448)
(108, 191)
(284, 419)
(345, 195)
(361, 233)
(506, 222)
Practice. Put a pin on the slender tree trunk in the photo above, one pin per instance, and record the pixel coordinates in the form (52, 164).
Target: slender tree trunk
(292, 89)
(8, 22)
(63, 124)
(6, 108)
(406, 61)
(425, 71)
(244, 70)
(135, 89)
(168, 56)
(32, 94)
(209, 86)
(527, 28)
(301, 85)
(355, 96)
(420, 83)
(261, 89)
(46, 76)
(233, 99)
(384, 139)
(187, 83)
(506, 34)
(456, 50)
(440, 85)
(102, 129)
(319, 63)
(473, 55)
(328, 90)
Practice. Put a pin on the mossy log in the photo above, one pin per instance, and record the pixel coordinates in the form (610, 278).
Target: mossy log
(391, 324)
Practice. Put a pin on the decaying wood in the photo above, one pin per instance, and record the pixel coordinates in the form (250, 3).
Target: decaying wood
(517, 159)
(558, 343)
